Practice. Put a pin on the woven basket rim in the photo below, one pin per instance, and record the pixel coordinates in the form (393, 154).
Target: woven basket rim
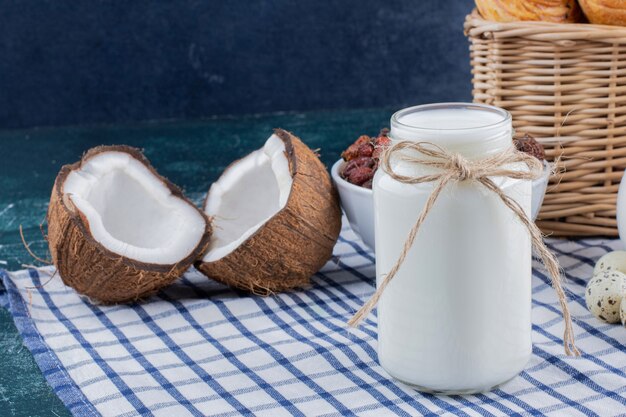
(476, 26)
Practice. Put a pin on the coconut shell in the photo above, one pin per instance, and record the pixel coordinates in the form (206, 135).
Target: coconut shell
(294, 243)
(90, 268)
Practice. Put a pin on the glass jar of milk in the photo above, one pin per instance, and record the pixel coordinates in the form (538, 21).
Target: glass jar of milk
(456, 316)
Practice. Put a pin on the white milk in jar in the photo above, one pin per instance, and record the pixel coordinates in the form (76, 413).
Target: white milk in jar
(456, 317)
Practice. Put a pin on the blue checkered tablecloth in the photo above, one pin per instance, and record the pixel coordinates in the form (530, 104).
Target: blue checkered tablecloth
(198, 348)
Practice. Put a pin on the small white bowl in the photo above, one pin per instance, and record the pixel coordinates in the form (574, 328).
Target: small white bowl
(358, 202)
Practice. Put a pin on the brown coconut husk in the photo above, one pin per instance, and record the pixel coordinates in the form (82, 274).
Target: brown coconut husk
(294, 243)
(90, 268)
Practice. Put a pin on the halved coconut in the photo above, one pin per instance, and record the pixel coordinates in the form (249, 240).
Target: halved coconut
(117, 230)
(276, 218)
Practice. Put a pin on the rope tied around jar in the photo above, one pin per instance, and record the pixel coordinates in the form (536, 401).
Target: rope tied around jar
(453, 167)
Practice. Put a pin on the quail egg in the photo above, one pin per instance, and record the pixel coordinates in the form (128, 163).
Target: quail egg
(604, 294)
(612, 261)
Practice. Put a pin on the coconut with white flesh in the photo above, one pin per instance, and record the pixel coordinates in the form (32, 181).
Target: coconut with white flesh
(276, 218)
(117, 230)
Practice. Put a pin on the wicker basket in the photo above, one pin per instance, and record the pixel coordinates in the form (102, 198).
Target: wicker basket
(565, 85)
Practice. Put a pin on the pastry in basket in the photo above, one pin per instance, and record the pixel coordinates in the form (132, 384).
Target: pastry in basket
(558, 11)
(605, 12)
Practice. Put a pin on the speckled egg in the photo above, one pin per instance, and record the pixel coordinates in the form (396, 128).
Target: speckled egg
(622, 311)
(612, 261)
(604, 294)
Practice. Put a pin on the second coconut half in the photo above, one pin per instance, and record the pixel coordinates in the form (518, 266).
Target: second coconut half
(276, 218)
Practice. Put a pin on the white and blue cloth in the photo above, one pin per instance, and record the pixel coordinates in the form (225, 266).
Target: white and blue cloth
(198, 348)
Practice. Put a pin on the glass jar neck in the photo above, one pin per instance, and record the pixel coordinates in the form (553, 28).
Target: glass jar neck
(472, 130)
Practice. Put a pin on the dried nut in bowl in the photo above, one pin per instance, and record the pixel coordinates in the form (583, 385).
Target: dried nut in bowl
(605, 12)
(531, 146)
(276, 217)
(612, 261)
(558, 11)
(117, 230)
(604, 294)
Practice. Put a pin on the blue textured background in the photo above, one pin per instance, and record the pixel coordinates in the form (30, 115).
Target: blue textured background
(81, 62)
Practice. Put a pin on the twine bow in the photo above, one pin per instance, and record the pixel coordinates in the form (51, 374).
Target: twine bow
(452, 167)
